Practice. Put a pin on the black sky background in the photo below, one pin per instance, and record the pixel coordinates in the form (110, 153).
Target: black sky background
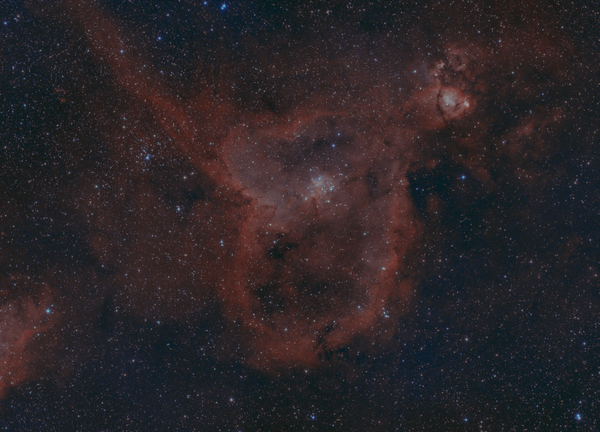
(503, 330)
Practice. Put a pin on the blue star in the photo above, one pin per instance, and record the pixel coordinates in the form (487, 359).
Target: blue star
(223, 6)
(577, 416)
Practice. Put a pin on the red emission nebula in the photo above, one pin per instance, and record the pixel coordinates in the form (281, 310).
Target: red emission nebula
(306, 232)
(314, 215)
(310, 219)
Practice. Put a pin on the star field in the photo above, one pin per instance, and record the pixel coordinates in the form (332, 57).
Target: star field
(296, 216)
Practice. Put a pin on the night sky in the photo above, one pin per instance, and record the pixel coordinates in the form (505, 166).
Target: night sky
(299, 215)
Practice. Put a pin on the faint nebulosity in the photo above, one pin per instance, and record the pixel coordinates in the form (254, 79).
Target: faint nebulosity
(252, 216)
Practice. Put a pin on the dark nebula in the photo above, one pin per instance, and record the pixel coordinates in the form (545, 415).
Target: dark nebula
(357, 216)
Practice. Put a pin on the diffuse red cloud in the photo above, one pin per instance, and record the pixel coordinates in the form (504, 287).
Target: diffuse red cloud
(305, 232)
(22, 320)
(320, 254)
(319, 218)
